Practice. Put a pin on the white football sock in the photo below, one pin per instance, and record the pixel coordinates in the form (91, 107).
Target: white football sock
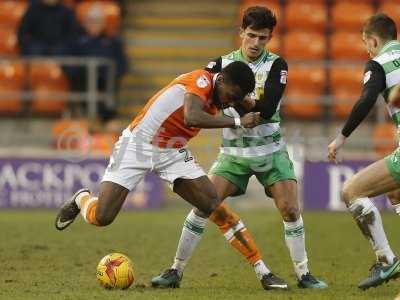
(369, 220)
(78, 199)
(295, 241)
(191, 234)
(261, 269)
(396, 208)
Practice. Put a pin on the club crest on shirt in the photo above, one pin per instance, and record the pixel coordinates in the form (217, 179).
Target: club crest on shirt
(367, 76)
(202, 82)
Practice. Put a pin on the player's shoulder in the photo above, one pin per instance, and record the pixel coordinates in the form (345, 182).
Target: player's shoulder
(201, 79)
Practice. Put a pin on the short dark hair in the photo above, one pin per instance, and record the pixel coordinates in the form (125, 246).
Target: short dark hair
(238, 73)
(381, 25)
(258, 17)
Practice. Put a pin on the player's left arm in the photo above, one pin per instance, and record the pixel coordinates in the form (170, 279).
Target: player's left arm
(374, 84)
(274, 88)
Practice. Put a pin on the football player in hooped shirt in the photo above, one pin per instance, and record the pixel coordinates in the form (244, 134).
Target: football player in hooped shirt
(156, 141)
(381, 76)
(260, 151)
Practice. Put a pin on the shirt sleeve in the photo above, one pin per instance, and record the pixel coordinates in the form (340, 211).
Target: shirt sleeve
(273, 89)
(374, 84)
(199, 83)
(214, 66)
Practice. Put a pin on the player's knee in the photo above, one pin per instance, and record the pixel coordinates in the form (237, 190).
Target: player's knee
(348, 193)
(290, 213)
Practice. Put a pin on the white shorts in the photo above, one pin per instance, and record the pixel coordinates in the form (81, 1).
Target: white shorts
(133, 158)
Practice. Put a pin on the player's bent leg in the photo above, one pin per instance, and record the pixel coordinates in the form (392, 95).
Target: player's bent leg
(201, 193)
(100, 211)
(374, 180)
(284, 193)
(241, 239)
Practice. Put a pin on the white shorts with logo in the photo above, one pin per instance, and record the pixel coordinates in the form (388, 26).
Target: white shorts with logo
(133, 158)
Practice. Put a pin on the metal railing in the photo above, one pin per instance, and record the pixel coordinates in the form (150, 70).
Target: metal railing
(92, 95)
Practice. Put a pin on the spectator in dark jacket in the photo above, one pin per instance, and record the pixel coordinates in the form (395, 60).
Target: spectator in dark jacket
(94, 42)
(47, 28)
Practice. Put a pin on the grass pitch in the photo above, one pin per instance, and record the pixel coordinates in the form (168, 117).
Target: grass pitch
(37, 262)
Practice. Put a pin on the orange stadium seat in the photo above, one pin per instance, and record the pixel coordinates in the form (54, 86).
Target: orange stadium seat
(12, 76)
(306, 103)
(102, 143)
(8, 42)
(70, 134)
(392, 9)
(111, 9)
(385, 138)
(346, 84)
(350, 15)
(306, 16)
(308, 83)
(45, 78)
(11, 12)
(346, 76)
(304, 45)
(274, 6)
(347, 45)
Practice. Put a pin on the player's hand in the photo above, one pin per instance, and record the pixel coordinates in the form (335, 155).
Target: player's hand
(248, 103)
(333, 148)
(394, 96)
(250, 120)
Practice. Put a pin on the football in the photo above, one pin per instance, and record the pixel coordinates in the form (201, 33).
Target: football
(115, 271)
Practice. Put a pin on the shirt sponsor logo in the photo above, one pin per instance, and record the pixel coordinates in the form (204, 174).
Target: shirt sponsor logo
(284, 75)
(202, 82)
(367, 76)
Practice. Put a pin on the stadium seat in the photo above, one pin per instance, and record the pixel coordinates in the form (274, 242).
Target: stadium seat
(306, 16)
(308, 83)
(69, 134)
(385, 138)
(8, 42)
(343, 101)
(350, 15)
(347, 45)
(12, 76)
(102, 143)
(273, 5)
(346, 76)
(304, 45)
(11, 12)
(345, 83)
(46, 78)
(307, 77)
(111, 9)
(302, 103)
(392, 9)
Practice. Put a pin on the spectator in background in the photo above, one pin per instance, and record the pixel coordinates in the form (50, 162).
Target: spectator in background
(94, 42)
(47, 28)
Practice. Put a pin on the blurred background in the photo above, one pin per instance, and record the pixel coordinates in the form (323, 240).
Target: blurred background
(74, 73)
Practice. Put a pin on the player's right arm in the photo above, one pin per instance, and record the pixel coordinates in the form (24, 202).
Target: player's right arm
(374, 84)
(195, 116)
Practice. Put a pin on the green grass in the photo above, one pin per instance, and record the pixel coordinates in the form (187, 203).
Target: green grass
(37, 262)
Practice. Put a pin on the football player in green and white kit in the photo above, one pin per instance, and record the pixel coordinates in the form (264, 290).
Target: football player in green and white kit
(244, 153)
(381, 75)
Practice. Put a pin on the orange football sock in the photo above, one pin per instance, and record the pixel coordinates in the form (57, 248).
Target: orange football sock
(236, 233)
(88, 206)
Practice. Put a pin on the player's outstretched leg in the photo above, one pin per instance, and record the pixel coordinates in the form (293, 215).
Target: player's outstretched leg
(240, 238)
(99, 211)
(369, 182)
(285, 195)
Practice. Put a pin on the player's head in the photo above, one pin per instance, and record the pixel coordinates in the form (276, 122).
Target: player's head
(51, 2)
(256, 30)
(377, 31)
(234, 82)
